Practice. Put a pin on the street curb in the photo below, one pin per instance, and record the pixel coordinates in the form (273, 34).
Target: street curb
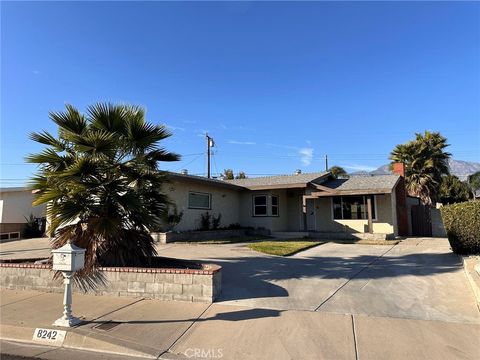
(470, 264)
(81, 340)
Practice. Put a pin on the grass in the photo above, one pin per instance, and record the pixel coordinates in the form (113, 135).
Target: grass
(230, 240)
(283, 247)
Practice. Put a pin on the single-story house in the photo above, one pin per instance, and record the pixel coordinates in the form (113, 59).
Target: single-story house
(15, 208)
(301, 203)
(313, 202)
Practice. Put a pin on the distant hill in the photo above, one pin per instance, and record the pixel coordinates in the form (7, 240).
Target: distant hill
(461, 169)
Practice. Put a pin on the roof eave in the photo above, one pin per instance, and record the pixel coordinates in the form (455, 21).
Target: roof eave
(277, 186)
(198, 179)
(352, 192)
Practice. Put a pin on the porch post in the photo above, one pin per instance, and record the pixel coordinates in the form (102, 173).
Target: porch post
(369, 210)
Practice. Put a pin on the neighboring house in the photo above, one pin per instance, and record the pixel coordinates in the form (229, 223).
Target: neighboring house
(15, 208)
(314, 202)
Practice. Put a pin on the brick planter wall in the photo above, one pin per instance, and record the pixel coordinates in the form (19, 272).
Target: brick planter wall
(157, 283)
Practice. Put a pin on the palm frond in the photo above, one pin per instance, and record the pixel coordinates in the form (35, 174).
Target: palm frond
(108, 117)
(102, 186)
(48, 139)
(69, 121)
(49, 156)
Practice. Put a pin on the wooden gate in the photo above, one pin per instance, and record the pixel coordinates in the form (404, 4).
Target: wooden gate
(421, 221)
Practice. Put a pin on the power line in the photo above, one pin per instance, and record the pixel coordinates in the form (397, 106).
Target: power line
(185, 165)
(215, 163)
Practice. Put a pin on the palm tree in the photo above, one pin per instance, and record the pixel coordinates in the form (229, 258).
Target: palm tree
(338, 172)
(102, 184)
(425, 163)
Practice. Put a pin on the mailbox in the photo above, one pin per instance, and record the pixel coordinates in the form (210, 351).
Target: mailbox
(68, 258)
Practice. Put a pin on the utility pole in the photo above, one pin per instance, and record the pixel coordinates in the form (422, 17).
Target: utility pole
(326, 162)
(210, 144)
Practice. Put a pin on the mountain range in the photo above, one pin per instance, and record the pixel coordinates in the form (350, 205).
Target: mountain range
(461, 169)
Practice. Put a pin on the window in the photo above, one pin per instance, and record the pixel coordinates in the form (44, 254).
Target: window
(260, 205)
(199, 200)
(264, 205)
(352, 207)
(274, 205)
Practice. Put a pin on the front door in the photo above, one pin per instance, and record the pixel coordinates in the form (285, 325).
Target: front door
(311, 222)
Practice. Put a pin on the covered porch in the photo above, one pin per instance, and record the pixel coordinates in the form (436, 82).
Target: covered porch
(350, 213)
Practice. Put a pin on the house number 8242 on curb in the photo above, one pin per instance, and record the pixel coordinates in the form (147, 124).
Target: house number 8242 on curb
(49, 336)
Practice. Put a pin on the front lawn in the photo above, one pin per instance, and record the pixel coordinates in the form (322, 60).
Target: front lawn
(283, 247)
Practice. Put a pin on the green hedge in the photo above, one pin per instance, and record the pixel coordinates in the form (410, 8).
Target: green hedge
(462, 223)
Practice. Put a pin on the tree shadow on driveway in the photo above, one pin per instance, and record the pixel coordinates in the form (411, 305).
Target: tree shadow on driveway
(267, 277)
(237, 315)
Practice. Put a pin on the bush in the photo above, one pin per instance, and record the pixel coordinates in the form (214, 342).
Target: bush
(173, 219)
(205, 221)
(462, 223)
(209, 221)
(216, 221)
(32, 228)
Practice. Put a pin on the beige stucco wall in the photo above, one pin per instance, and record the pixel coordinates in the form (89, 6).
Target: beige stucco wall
(17, 205)
(383, 224)
(237, 207)
(225, 201)
(294, 210)
(289, 218)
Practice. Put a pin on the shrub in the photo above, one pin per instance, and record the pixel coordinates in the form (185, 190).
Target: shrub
(216, 221)
(205, 221)
(173, 219)
(32, 228)
(462, 223)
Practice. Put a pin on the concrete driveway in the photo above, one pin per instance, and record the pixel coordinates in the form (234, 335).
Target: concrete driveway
(335, 301)
(416, 279)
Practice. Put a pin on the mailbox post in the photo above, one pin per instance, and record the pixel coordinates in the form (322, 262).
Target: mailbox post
(68, 259)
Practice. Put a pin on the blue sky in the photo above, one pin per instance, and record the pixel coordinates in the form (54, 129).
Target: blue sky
(277, 85)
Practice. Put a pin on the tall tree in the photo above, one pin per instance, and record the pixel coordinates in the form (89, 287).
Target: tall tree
(101, 181)
(452, 190)
(426, 161)
(228, 174)
(241, 175)
(474, 182)
(338, 172)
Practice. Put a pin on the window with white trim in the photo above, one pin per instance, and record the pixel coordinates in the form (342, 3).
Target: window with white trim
(352, 207)
(274, 205)
(198, 200)
(260, 205)
(265, 205)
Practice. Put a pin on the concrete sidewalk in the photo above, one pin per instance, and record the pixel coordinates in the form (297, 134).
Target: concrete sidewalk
(177, 330)
(335, 301)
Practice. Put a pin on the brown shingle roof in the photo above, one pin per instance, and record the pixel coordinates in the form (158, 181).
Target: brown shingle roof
(363, 183)
(354, 183)
(194, 178)
(279, 181)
